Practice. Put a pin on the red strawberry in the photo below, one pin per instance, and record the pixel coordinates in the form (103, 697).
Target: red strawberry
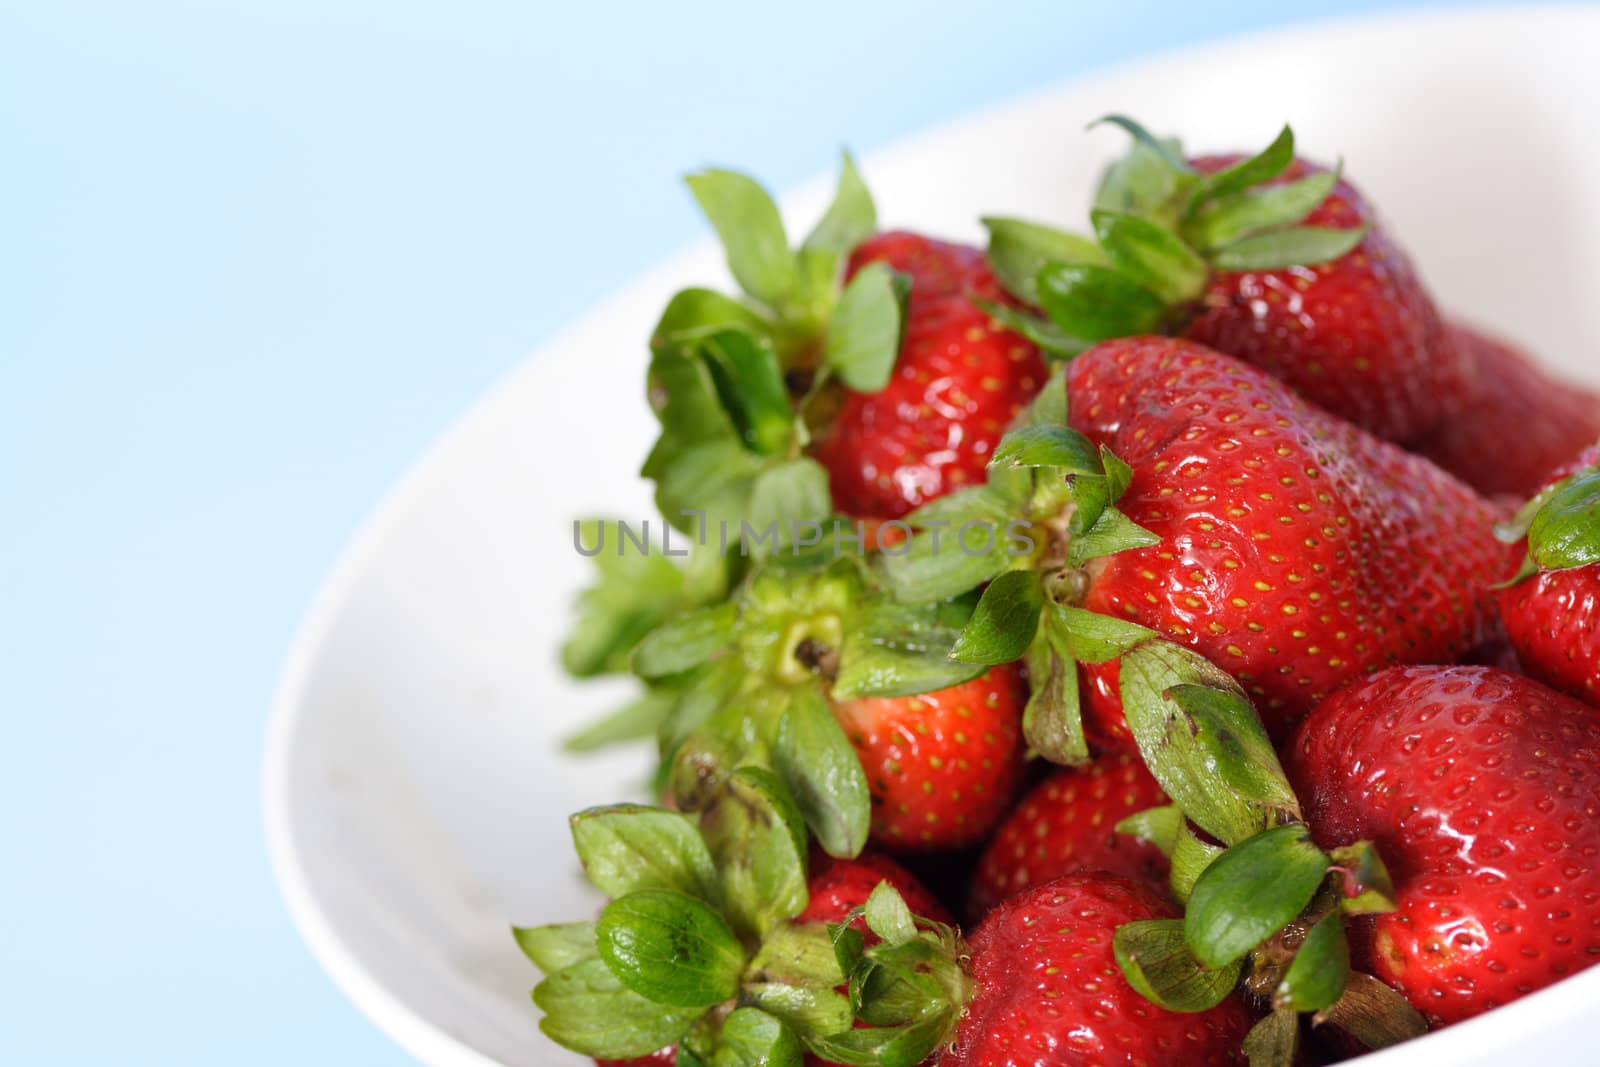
(1481, 789)
(838, 887)
(1048, 990)
(959, 381)
(942, 767)
(1553, 616)
(1067, 824)
(662, 1057)
(1514, 400)
(1359, 335)
(1272, 259)
(1296, 551)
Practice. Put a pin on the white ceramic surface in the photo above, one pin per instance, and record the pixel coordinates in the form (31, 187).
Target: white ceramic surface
(415, 799)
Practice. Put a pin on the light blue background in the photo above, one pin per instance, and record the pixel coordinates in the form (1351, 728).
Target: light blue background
(253, 257)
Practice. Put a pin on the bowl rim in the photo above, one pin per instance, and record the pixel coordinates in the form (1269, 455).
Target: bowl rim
(431, 1043)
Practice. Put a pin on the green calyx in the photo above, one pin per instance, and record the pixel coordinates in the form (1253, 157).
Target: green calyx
(748, 683)
(698, 946)
(733, 379)
(1267, 912)
(1561, 524)
(908, 987)
(1161, 229)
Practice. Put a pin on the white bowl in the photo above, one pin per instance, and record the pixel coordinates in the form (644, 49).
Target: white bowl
(416, 802)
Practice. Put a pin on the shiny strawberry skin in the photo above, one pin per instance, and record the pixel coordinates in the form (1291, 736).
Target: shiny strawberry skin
(942, 766)
(1553, 618)
(1521, 425)
(1297, 551)
(1049, 993)
(958, 383)
(1067, 823)
(1358, 335)
(664, 1057)
(838, 887)
(1481, 790)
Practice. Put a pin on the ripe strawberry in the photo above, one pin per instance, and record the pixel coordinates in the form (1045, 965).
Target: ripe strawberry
(1271, 259)
(942, 767)
(838, 887)
(662, 1057)
(1047, 989)
(1552, 610)
(958, 382)
(1296, 551)
(1482, 791)
(1514, 400)
(1067, 823)
(1358, 335)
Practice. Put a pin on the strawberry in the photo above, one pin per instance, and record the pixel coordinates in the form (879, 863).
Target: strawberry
(661, 1057)
(1551, 608)
(1037, 983)
(1292, 549)
(1297, 552)
(1482, 790)
(1269, 258)
(957, 384)
(943, 766)
(1067, 823)
(1514, 399)
(838, 887)
(1358, 335)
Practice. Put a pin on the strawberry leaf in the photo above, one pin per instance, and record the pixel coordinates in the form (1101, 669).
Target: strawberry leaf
(1225, 221)
(790, 500)
(1190, 858)
(752, 1038)
(936, 564)
(1049, 445)
(588, 1010)
(887, 916)
(883, 1046)
(1252, 891)
(634, 590)
(670, 948)
(815, 761)
(750, 386)
(556, 947)
(1157, 962)
(1052, 721)
(1265, 165)
(1274, 1041)
(1179, 760)
(850, 218)
(694, 312)
(1372, 1013)
(1050, 338)
(758, 844)
(898, 649)
(685, 642)
(864, 337)
(629, 847)
(793, 976)
(1365, 885)
(1158, 826)
(1298, 246)
(751, 230)
(1097, 303)
(1316, 977)
(1096, 638)
(1019, 249)
(1232, 744)
(1004, 622)
(633, 721)
(1151, 255)
(1162, 148)
(1111, 532)
(1565, 532)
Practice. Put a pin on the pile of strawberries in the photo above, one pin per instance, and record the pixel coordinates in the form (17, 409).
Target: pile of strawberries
(1189, 609)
